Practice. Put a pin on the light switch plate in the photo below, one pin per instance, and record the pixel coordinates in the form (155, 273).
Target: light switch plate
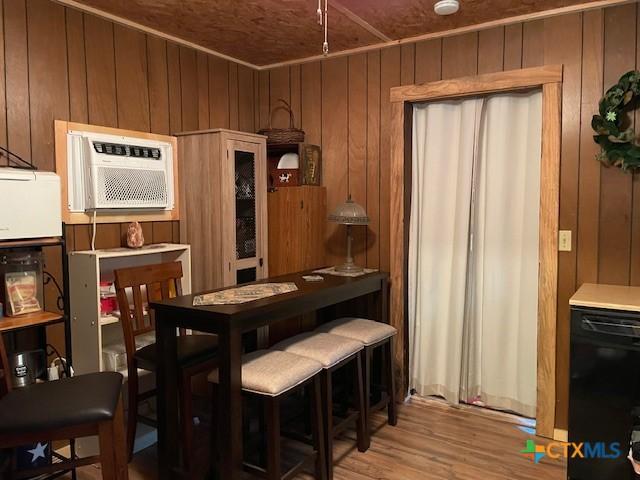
(564, 243)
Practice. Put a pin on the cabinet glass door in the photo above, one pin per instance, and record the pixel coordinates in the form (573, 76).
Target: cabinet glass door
(244, 208)
(245, 199)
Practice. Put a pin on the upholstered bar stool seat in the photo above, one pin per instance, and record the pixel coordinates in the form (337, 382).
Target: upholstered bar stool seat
(373, 335)
(272, 372)
(366, 331)
(334, 352)
(271, 375)
(329, 350)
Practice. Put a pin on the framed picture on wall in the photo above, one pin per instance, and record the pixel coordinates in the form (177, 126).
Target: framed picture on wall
(310, 164)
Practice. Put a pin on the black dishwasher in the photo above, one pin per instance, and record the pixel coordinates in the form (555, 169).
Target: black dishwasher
(604, 389)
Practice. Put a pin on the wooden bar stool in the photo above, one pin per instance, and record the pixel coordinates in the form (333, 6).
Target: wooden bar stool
(271, 375)
(74, 407)
(196, 353)
(373, 335)
(333, 353)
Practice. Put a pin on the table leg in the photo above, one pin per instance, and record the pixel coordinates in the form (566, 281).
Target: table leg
(230, 405)
(167, 396)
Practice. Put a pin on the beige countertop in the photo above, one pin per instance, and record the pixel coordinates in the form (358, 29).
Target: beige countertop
(613, 297)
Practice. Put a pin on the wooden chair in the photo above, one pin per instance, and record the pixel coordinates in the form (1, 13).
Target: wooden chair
(196, 353)
(64, 409)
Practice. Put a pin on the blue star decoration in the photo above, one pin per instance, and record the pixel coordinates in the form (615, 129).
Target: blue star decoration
(611, 116)
(38, 452)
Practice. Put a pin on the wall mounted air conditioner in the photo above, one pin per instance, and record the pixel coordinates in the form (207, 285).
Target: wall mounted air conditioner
(112, 172)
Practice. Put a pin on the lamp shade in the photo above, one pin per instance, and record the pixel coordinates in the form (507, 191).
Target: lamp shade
(350, 213)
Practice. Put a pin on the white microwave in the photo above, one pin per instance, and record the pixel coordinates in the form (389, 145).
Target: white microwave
(29, 204)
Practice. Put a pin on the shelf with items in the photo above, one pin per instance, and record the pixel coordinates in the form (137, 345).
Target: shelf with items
(33, 242)
(305, 170)
(109, 319)
(156, 248)
(28, 320)
(35, 249)
(91, 267)
(13, 327)
(97, 337)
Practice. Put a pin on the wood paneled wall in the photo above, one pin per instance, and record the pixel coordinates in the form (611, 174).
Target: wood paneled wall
(59, 63)
(343, 105)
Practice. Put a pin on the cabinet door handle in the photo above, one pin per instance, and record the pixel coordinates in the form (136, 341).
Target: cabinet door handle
(229, 266)
(618, 328)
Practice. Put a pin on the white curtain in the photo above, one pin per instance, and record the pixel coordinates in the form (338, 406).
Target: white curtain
(473, 250)
(444, 140)
(502, 294)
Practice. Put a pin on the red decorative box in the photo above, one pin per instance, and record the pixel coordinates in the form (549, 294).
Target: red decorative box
(285, 177)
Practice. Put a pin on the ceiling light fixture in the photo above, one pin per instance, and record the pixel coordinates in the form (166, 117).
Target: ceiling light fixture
(446, 7)
(322, 20)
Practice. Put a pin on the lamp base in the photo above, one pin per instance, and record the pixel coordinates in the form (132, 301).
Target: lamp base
(349, 267)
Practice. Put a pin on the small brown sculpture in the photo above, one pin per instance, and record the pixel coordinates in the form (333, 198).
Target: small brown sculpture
(135, 238)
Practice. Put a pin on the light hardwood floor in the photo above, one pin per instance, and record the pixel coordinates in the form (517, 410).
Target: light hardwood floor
(431, 441)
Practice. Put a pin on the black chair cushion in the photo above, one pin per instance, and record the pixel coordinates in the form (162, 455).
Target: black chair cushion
(192, 349)
(67, 402)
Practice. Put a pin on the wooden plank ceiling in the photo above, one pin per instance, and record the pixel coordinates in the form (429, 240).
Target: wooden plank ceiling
(264, 32)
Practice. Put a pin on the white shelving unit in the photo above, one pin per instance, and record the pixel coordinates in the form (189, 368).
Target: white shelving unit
(91, 331)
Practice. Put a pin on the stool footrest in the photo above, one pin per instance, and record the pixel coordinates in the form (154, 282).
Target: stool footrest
(291, 473)
(56, 467)
(343, 423)
(380, 404)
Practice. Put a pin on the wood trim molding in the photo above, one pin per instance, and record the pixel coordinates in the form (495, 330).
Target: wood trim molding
(152, 31)
(550, 80)
(376, 46)
(258, 137)
(397, 245)
(73, 218)
(560, 435)
(478, 85)
(548, 256)
(359, 20)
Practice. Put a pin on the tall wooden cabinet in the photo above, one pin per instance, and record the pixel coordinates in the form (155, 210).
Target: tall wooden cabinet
(297, 223)
(223, 202)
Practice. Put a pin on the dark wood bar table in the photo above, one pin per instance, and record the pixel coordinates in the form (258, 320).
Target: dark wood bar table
(229, 322)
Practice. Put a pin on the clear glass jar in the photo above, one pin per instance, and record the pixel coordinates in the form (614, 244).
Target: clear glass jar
(22, 287)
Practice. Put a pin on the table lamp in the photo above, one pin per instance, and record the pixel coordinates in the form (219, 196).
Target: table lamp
(349, 213)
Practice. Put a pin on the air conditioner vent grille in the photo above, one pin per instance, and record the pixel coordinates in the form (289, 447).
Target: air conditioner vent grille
(124, 186)
(122, 150)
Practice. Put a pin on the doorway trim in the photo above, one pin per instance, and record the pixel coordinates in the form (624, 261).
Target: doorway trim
(549, 78)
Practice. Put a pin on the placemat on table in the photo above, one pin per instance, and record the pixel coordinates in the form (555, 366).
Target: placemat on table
(244, 294)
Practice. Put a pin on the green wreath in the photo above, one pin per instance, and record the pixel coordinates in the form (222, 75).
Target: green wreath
(613, 130)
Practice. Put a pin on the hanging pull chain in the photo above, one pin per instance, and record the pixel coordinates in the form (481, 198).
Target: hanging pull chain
(325, 45)
(319, 12)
